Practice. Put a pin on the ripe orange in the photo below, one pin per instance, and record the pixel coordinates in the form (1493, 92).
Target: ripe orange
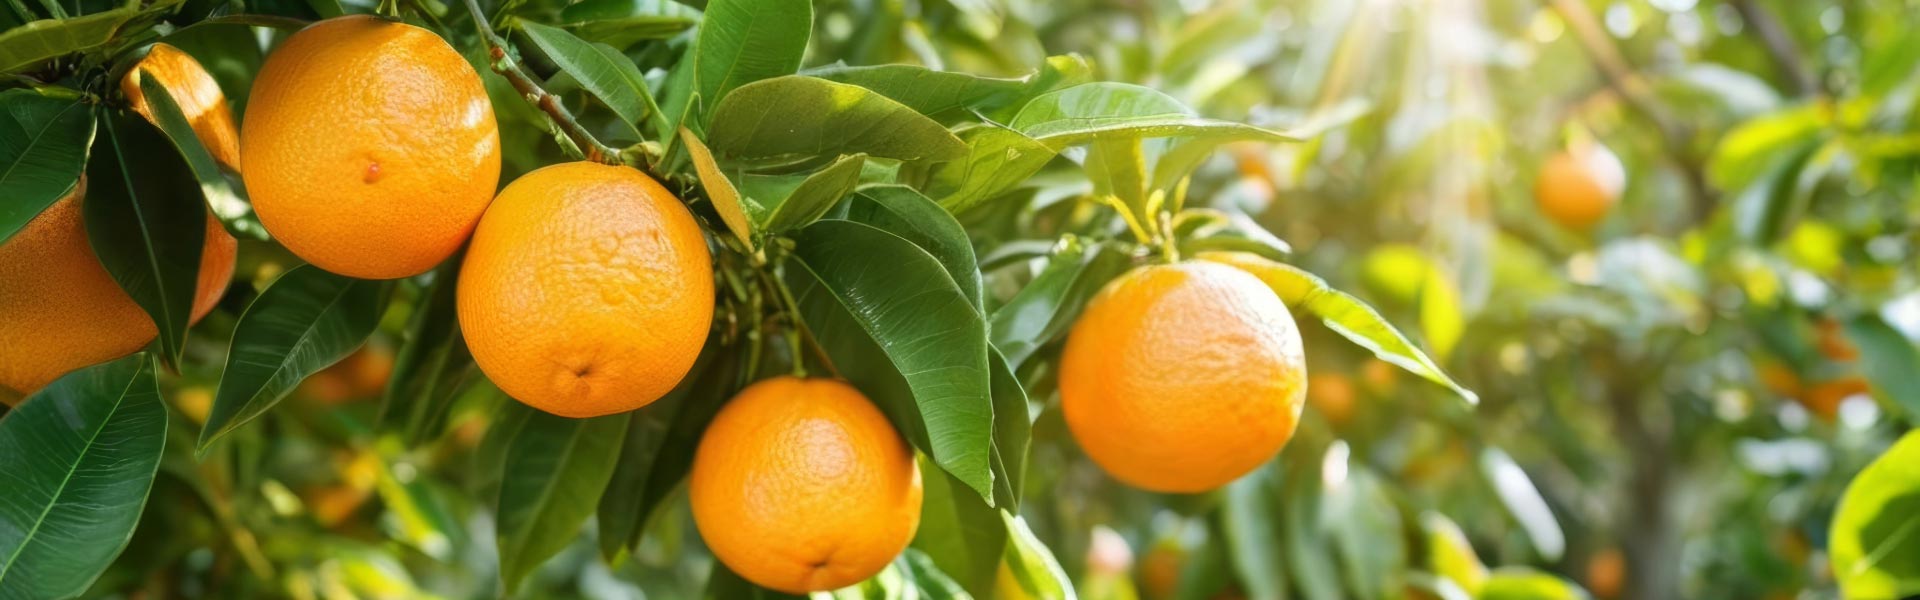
(371, 147)
(1181, 378)
(360, 375)
(1332, 394)
(1824, 399)
(801, 485)
(198, 95)
(1607, 573)
(60, 310)
(1577, 188)
(588, 290)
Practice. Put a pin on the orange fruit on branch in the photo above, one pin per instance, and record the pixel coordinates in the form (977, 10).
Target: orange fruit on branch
(1181, 378)
(59, 308)
(587, 290)
(198, 95)
(801, 485)
(371, 147)
(1578, 187)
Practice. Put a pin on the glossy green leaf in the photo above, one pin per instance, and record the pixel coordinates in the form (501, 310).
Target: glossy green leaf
(743, 41)
(1107, 110)
(812, 196)
(1887, 358)
(147, 221)
(959, 532)
(79, 458)
(798, 116)
(1449, 554)
(29, 45)
(305, 321)
(1186, 154)
(556, 469)
(600, 69)
(215, 186)
(43, 150)
(622, 23)
(926, 91)
(903, 212)
(1367, 535)
(1343, 313)
(856, 281)
(1032, 564)
(929, 581)
(720, 191)
(1522, 500)
(432, 364)
(1046, 306)
(1012, 432)
(1118, 169)
(1874, 550)
(1523, 583)
(997, 160)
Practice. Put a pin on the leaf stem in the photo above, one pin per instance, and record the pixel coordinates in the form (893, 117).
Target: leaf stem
(502, 62)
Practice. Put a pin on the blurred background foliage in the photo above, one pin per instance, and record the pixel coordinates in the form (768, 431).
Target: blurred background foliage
(1673, 402)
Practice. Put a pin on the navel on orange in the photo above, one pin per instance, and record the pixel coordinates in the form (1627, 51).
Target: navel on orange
(801, 485)
(1183, 377)
(370, 146)
(587, 290)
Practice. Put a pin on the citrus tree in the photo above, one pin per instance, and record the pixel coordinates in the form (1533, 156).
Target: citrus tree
(958, 299)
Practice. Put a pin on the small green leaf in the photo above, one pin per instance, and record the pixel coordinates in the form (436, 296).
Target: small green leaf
(743, 41)
(1523, 583)
(215, 186)
(79, 458)
(1032, 565)
(813, 195)
(1367, 535)
(1450, 555)
(1766, 208)
(600, 69)
(1874, 550)
(899, 329)
(1887, 358)
(305, 321)
(804, 117)
(959, 532)
(147, 221)
(724, 584)
(622, 23)
(1107, 111)
(1343, 313)
(998, 159)
(930, 581)
(556, 469)
(43, 150)
(1118, 169)
(927, 91)
(903, 212)
(1046, 306)
(720, 191)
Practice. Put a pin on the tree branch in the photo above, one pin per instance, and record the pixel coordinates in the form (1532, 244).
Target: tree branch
(1780, 46)
(503, 63)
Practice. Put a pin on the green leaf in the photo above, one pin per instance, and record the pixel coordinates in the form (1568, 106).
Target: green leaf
(1874, 550)
(1367, 535)
(1186, 154)
(622, 23)
(1887, 358)
(812, 196)
(798, 116)
(32, 44)
(1522, 500)
(903, 212)
(432, 364)
(306, 321)
(1250, 517)
(43, 150)
(1111, 111)
(1118, 169)
(147, 221)
(1450, 555)
(998, 159)
(1343, 313)
(79, 458)
(929, 580)
(720, 191)
(1032, 565)
(660, 444)
(927, 91)
(960, 533)
(899, 329)
(1012, 432)
(215, 186)
(1523, 583)
(556, 469)
(1767, 207)
(724, 584)
(1304, 523)
(743, 41)
(600, 69)
(1046, 306)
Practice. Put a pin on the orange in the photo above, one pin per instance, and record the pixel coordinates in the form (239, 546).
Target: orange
(370, 146)
(1607, 573)
(362, 374)
(588, 290)
(198, 95)
(1824, 399)
(801, 485)
(1181, 378)
(1577, 188)
(59, 308)
(1833, 342)
(1332, 394)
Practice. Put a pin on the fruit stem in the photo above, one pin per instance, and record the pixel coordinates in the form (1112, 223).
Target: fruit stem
(502, 62)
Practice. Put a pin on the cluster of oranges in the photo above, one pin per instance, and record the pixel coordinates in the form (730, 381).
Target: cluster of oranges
(370, 150)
